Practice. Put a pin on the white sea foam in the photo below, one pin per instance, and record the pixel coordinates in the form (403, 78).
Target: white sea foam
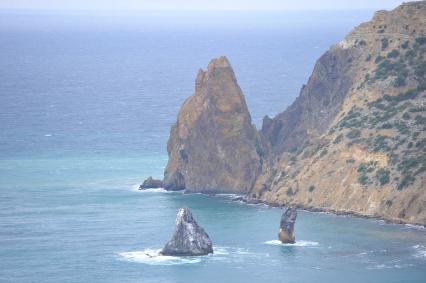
(390, 266)
(153, 257)
(300, 243)
(158, 190)
(415, 227)
(231, 196)
(420, 251)
(135, 187)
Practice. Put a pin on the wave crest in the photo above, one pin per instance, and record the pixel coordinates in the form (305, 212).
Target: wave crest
(300, 243)
(420, 251)
(153, 257)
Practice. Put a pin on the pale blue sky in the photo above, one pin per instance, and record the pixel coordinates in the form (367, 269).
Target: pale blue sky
(199, 4)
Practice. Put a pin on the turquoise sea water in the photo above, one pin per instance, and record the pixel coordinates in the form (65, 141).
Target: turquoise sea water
(86, 107)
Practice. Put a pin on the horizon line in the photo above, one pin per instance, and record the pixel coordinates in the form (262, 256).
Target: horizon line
(187, 10)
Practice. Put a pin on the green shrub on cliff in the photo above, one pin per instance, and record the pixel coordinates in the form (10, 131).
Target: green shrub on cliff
(353, 134)
(338, 139)
(420, 120)
(383, 176)
(385, 43)
(420, 70)
(393, 54)
(378, 59)
(421, 40)
(406, 180)
(399, 81)
(363, 179)
(388, 68)
(405, 45)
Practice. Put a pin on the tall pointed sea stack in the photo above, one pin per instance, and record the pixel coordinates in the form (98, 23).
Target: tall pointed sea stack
(212, 145)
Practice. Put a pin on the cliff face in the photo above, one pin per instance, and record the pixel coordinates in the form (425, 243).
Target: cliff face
(212, 145)
(317, 105)
(354, 140)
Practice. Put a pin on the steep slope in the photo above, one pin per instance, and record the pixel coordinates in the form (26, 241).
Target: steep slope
(355, 138)
(212, 145)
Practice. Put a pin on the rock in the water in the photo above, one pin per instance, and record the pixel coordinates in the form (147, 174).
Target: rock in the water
(189, 239)
(213, 146)
(151, 183)
(238, 198)
(288, 219)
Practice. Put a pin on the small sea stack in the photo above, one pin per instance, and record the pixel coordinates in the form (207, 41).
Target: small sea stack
(188, 239)
(151, 183)
(288, 219)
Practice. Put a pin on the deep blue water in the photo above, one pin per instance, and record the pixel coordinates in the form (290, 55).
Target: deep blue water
(86, 104)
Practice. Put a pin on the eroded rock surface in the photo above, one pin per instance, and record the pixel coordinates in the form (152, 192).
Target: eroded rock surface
(212, 145)
(151, 183)
(354, 141)
(188, 239)
(288, 220)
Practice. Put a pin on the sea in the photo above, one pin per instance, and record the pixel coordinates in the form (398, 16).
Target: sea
(87, 100)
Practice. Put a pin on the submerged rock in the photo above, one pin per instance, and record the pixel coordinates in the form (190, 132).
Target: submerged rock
(288, 219)
(151, 183)
(189, 239)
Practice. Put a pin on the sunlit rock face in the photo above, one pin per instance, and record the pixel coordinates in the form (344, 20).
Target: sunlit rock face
(354, 140)
(212, 145)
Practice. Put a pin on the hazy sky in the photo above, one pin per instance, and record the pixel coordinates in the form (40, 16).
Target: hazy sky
(199, 4)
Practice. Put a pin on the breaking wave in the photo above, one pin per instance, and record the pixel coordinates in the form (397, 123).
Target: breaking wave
(420, 251)
(153, 257)
(300, 243)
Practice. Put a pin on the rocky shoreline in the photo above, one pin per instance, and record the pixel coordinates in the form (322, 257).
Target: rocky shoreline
(254, 201)
(352, 143)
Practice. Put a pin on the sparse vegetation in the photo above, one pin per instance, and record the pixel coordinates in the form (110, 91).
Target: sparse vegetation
(406, 180)
(393, 54)
(383, 176)
(388, 68)
(363, 179)
(353, 134)
(385, 43)
(420, 120)
(378, 59)
(323, 152)
(338, 139)
(421, 40)
(405, 45)
(406, 116)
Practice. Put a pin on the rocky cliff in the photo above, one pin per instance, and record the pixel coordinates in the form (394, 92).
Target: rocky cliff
(212, 145)
(354, 141)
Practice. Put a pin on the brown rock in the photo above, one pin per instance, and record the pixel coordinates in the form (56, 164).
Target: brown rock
(151, 183)
(212, 145)
(351, 142)
(288, 220)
